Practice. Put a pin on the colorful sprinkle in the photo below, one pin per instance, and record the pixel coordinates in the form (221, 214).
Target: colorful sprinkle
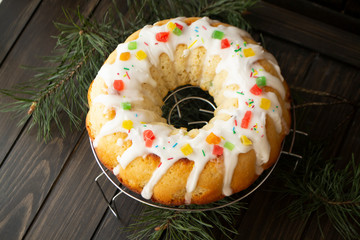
(124, 56)
(127, 124)
(217, 34)
(159, 164)
(255, 90)
(261, 81)
(126, 105)
(234, 130)
(162, 36)
(192, 44)
(203, 152)
(186, 149)
(146, 43)
(212, 139)
(127, 75)
(175, 145)
(265, 103)
(170, 158)
(235, 122)
(225, 43)
(248, 52)
(245, 121)
(241, 93)
(250, 103)
(140, 55)
(229, 146)
(204, 27)
(132, 45)
(126, 69)
(244, 140)
(118, 85)
(217, 150)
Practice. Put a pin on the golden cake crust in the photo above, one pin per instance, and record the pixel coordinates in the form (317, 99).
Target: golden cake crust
(171, 188)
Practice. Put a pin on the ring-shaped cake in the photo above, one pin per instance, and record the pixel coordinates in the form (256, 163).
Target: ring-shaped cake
(175, 166)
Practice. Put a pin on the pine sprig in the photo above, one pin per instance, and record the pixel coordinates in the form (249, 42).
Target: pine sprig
(83, 45)
(155, 223)
(319, 189)
(80, 50)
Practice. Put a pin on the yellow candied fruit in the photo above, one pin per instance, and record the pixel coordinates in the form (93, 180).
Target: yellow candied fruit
(248, 52)
(171, 26)
(245, 140)
(265, 103)
(213, 139)
(110, 114)
(186, 149)
(141, 55)
(124, 56)
(111, 59)
(127, 124)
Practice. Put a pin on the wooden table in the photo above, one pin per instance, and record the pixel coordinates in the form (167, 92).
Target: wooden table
(47, 191)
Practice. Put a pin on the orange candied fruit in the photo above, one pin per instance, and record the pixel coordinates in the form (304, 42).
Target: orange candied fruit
(124, 56)
(213, 139)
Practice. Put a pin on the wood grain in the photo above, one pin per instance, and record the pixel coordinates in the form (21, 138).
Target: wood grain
(14, 15)
(74, 199)
(26, 178)
(315, 35)
(34, 42)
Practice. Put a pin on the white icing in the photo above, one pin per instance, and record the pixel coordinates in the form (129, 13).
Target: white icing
(240, 70)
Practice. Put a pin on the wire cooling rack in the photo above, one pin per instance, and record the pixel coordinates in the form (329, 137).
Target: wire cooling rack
(124, 192)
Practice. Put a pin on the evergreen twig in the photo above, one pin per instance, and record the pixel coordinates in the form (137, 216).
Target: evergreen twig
(318, 189)
(155, 223)
(83, 45)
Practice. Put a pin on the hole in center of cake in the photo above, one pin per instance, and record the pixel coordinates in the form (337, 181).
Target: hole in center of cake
(189, 107)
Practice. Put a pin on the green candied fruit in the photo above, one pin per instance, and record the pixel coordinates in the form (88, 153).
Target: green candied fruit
(177, 31)
(261, 81)
(126, 105)
(229, 146)
(217, 34)
(132, 45)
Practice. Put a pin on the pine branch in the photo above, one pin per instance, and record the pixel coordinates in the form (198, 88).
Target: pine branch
(318, 188)
(83, 45)
(155, 223)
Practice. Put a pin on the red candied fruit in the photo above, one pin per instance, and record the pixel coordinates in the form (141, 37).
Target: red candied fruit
(225, 43)
(256, 90)
(118, 85)
(162, 36)
(217, 150)
(246, 120)
(148, 137)
(179, 26)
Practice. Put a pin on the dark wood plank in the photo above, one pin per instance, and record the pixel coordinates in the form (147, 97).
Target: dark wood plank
(14, 15)
(82, 205)
(31, 168)
(315, 11)
(35, 41)
(26, 178)
(306, 32)
(113, 228)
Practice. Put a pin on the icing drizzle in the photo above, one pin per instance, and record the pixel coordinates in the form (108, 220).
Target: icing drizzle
(238, 134)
